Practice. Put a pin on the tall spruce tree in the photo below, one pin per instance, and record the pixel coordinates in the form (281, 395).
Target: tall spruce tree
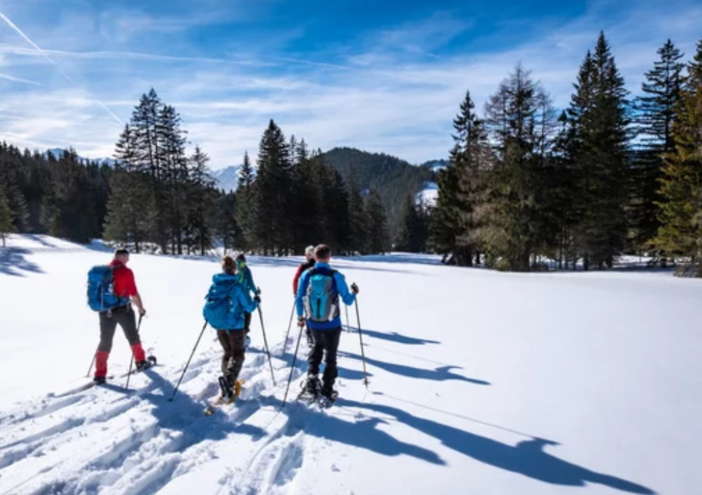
(518, 116)
(202, 200)
(378, 231)
(227, 229)
(307, 196)
(414, 228)
(680, 233)
(656, 112)
(445, 227)
(6, 226)
(273, 225)
(358, 220)
(601, 158)
(246, 204)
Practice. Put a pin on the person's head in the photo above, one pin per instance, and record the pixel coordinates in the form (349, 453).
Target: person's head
(122, 255)
(322, 253)
(241, 258)
(229, 265)
(309, 252)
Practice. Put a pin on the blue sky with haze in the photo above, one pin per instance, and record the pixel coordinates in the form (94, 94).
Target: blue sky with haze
(384, 76)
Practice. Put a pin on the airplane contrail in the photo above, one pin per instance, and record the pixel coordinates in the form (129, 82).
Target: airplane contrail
(46, 56)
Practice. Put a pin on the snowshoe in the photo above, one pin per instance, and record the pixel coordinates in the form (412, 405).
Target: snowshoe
(228, 394)
(149, 362)
(327, 399)
(100, 380)
(310, 390)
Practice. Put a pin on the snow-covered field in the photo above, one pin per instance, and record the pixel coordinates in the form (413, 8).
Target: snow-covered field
(480, 383)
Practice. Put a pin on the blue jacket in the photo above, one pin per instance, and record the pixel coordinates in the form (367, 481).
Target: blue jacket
(229, 317)
(344, 294)
(246, 278)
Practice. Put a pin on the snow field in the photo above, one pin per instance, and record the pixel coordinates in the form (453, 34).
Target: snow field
(480, 382)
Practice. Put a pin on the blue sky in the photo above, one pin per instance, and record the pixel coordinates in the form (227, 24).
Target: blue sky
(384, 76)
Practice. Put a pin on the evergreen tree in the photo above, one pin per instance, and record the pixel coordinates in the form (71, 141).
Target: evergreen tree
(378, 232)
(680, 233)
(445, 226)
(202, 199)
(227, 228)
(599, 117)
(358, 221)
(273, 225)
(656, 112)
(6, 226)
(519, 117)
(307, 195)
(413, 234)
(246, 204)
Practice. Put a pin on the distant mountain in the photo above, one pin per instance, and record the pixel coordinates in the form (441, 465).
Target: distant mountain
(392, 177)
(59, 152)
(429, 194)
(227, 178)
(435, 165)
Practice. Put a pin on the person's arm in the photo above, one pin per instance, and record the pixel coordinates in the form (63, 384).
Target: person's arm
(136, 298)
(346, 295)
(133, 292)
(296, 280)
(299, 297)
(250, 281)
(245, 300)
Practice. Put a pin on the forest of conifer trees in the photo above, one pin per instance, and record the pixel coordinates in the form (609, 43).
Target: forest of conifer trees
(527, 187)
(611, 174)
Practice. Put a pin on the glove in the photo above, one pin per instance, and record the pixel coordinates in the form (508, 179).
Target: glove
(258, 291)
(300, 321)
(354, 288)
(142, 312)
(257, 299)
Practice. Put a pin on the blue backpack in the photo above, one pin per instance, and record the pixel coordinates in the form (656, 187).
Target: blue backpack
(221, 307)
(322, 297)
(101, 295)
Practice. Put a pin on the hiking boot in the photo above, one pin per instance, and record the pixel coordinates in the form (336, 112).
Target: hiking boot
(100, 380)
(312, 385)
(146, 364)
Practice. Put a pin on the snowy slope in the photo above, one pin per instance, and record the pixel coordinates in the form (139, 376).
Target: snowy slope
(429, 194)
(480, 383)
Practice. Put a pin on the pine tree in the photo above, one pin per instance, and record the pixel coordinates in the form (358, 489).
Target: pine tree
(445, 226)
(201, 201)
(519, 116)
(680, 233)
(6, 226)
(599, 117)
(656, 113)
(413, 233)
(358, 221)
(227, 228)
(307, 196)
(378, 232)
(246, 205)
(273, 225)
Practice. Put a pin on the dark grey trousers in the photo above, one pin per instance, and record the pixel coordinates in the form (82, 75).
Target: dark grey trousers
(233, 343)
(126, 318)
(326, 344)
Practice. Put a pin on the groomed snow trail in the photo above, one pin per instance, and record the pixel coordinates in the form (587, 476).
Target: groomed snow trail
(480, 382)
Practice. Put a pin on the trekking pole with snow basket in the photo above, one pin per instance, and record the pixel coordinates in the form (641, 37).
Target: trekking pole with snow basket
(363, 352)
(131, 361)
(189, 359)
(348, 322)
(92, 363)
(287, 334)
(265, 342)
(292, 368)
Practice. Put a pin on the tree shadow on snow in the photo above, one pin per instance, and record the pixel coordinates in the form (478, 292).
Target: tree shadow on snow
(13, 262)
(527, 458)
(439, 374)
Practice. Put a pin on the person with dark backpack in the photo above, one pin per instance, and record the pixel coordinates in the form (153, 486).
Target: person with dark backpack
(227, 302)
(309, 263)
(317, 304)
(246, 279)
(111, 292)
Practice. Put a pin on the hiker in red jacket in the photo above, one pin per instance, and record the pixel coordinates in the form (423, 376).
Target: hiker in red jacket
(307, 265)
(125, 288)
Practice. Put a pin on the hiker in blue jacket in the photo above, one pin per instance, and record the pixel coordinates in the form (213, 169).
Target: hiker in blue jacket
(227, 303)
(317, 303)
(246, 279)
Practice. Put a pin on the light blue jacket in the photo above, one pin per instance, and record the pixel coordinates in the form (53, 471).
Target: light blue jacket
(228, 316)
(246, 277)
(342, 290)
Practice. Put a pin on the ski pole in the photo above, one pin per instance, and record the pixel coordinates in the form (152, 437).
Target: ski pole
(348, 323)
(265, 341)
(92, 363)
(287, 334)
(188, 363)
(292, 368)
(363, 352)
(131, 361)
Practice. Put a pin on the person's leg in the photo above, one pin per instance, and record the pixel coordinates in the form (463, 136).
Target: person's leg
(126, 317)
(308, 333)
(331, 346)
(237, 341)
(107, 333)
(315, 359)
(247, 322)
(223, 338)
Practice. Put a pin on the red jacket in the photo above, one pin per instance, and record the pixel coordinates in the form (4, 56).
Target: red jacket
(300, 270)
(125, 286)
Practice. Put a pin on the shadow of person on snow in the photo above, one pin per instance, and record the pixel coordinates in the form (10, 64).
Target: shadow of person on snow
(394, 337)
(527, 458)
(439, 374)
(13, 262)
